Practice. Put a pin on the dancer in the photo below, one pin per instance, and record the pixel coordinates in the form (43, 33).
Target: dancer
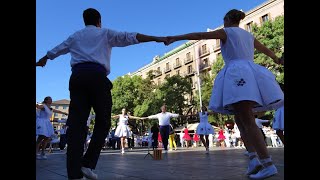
(123, 131)
(155, 132)
(160, 143)
(195, 139)
(89, 87)
(204, 128)
(164, 121)
(278, 121)
(44, 127)
(221, 137)
(243, 87)
(186, 136)
(172, 142)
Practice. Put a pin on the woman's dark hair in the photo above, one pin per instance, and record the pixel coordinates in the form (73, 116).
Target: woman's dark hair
(46, 99)
(91, 17)
(234, 16)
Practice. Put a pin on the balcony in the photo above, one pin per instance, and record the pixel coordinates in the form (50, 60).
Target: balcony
(189, 72)
(216, 48)
(204, 52)
(177, 65)
(157, 73)
(205, 66)
(167, 69)
(188, 60)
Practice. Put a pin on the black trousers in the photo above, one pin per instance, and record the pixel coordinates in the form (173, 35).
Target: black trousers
(164, 132)
(63, 141)
(88, 89)
(129, 142)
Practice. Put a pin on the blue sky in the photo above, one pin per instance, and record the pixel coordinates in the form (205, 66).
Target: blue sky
(56, 20)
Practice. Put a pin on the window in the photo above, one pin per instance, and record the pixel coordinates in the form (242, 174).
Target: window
(188, 55)
(158, 69)
(178, 72)
(217, 42)
(177, 62)
(204, 48)
(57, 107)
(167, 66)
(64, 107)
(189, 69)
(205, 62)
(219, 54)
(56, 115)
(249, 26)
(265, 18)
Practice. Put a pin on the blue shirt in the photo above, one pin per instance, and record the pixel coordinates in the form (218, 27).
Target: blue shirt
(93, 44)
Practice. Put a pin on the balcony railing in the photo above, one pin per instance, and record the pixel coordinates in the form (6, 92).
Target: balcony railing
(204, 52)
(167, 69)
(157, 73)
(177, 65)
(204, 66)
(188, 60)
(189, 72)
(216, 47)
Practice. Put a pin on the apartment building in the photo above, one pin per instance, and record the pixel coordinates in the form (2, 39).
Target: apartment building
(61, 105)
(193, 56)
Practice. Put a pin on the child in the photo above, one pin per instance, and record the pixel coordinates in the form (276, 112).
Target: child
(243, 87)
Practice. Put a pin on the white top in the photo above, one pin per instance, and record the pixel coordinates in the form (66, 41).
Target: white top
(93, 44)
(45, 113)
(91, 116)
(123, 119)
(164, 118)
(260, 121)
(239, 45)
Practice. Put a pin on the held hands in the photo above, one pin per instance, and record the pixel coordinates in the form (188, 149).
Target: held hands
(42, 62)
(170, 39)
(166, 40)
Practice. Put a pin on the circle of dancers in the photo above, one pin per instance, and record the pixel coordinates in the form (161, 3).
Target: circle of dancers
(241, 88)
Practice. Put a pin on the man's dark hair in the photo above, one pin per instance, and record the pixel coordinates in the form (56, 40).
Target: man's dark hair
(91, 17)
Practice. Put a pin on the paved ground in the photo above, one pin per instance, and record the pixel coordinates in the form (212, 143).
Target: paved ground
(183, 164)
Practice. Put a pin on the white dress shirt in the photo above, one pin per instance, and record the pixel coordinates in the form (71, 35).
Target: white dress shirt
(164, 118)
(93, 44)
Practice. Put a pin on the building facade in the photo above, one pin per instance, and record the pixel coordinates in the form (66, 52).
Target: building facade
(199, 55)
(61, 105)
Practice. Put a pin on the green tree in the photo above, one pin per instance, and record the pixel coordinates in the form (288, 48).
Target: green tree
(125, 93)
(271, 34)
(174, 91)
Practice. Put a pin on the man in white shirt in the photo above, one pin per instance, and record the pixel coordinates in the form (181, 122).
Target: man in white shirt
(164, 123)
(89, 87)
